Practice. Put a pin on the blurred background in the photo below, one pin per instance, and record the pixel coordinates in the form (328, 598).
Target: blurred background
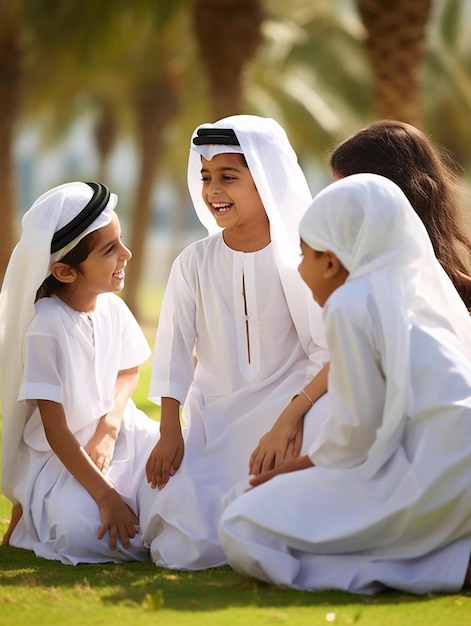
(112, 90)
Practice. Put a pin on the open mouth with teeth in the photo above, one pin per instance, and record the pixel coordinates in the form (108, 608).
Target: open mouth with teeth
(119, 275)
(221, 207)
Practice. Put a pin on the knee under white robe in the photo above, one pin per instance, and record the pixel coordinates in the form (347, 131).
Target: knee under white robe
(249, 364)
(335, 525)
(65, 364)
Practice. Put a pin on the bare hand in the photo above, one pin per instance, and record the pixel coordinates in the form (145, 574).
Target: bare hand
(118, 519)
(290, 465)
(283, 441)
(165, 459)
(101, 450)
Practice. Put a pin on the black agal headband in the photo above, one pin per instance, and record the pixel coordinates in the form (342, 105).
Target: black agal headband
(224, 136)
(82, 221)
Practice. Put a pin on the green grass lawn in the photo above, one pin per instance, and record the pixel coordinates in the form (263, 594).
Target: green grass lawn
(36, 592)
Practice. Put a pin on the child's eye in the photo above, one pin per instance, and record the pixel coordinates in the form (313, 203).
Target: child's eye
(205, 179)
(226, 177)
(110, 249)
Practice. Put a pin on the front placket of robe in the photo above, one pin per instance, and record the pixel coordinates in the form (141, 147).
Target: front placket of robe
(246, 314)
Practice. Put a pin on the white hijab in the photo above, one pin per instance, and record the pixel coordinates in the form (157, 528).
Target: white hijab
(368, 223)
(28, 267)
(285, 195)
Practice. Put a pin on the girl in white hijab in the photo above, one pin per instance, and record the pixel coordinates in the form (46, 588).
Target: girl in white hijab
(234, 299)
(74, 444)
(383, 497)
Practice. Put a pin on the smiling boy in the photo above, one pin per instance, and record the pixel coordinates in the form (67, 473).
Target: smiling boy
(235, 300)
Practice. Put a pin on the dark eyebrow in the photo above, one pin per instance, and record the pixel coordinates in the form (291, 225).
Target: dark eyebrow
(106, 245)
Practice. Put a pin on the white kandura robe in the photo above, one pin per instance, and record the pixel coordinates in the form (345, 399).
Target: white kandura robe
(229, 401)
(335, 527)
(60, 519)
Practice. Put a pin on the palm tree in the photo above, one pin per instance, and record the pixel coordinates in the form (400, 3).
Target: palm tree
(10, 95)
(395, 43)
(228, 33)
(32, 42)
(155, 67)
(141, 72)
(311, 74)
(131, 61)
(447, 99)
(282, 65)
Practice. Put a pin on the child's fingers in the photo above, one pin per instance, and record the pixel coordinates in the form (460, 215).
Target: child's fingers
(279, 457)
(167, 470)
(256, 464)
(114, 537)
(103, 528)
(126, 532)
(297, 443)
(261, 478)
(112, 528)
(252, 459)
(123, 531)
(149, 471)
(161, 466)
(103, 463)
(164, 475)
(257, 459)
(154, 471)
(174, 465)
(177, 460)
(268, 462)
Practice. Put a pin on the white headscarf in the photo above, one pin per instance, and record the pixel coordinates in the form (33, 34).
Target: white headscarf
(368, 223)
(285, 195)
(28, 267)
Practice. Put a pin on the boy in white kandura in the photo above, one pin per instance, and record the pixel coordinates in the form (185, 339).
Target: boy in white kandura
(235, 300)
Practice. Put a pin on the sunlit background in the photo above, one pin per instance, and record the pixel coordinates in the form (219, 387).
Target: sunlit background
(111, 91)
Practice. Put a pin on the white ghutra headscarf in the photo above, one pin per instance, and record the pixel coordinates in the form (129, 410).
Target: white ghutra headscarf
(368, 223)
(285, 195)
(72, 204)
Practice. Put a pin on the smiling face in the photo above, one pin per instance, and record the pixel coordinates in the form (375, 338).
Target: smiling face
(101, 272)
(322, 272)
(230, 194)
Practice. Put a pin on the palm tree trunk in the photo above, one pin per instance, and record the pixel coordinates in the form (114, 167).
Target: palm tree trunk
(105, 134)
(10, 75)
(396, 39)
(227, 33)
(155, 108)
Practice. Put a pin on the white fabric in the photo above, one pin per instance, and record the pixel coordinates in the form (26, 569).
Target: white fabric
(383, 237)
(230, 403)
(388, 501)
(60, 519)
(208, 151)
(285, 194)
(29, 265)
(72, 196)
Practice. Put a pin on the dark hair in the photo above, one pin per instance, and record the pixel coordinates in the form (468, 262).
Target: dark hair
(429, 178)
(51, 285)
(244, 162)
